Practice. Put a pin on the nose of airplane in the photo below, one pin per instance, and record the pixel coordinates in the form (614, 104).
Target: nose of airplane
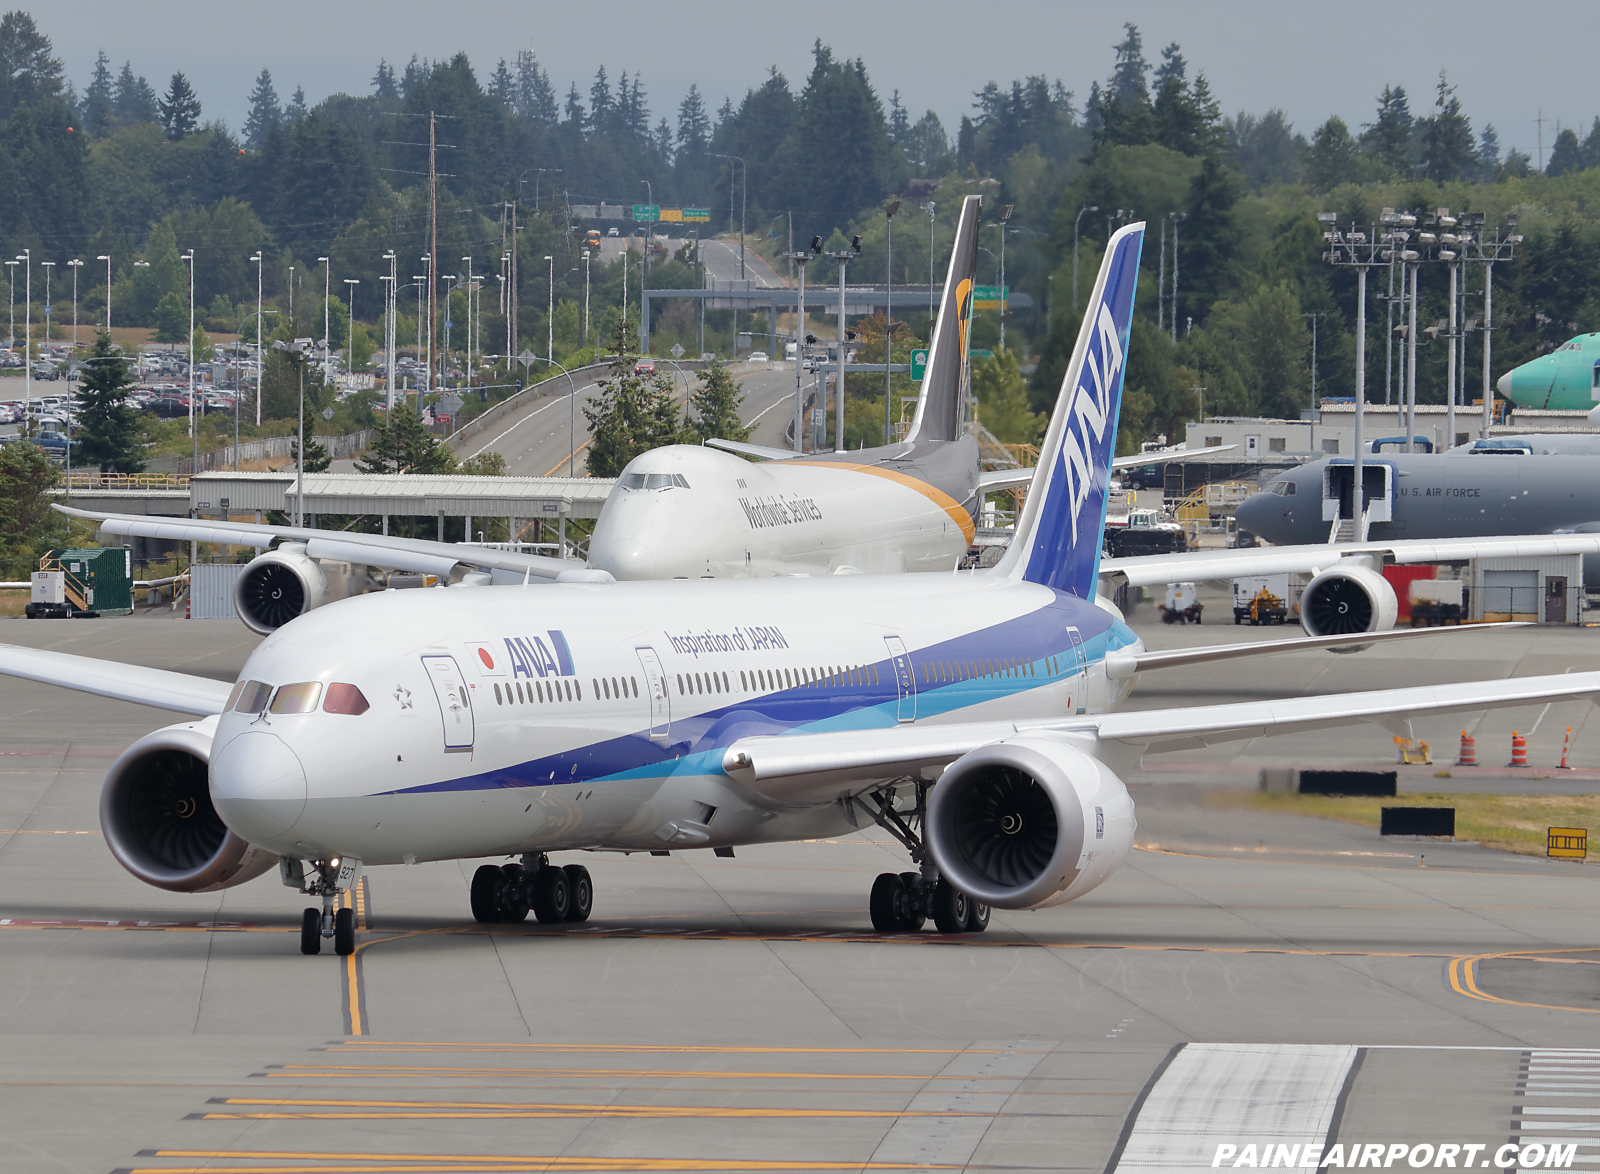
(258, 785)
(1252, 512)
(1503, 384)
(625, 559)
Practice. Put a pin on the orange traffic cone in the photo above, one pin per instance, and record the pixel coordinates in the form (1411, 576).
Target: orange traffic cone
(1566, 744)
(1519, 750)
(1469, 750)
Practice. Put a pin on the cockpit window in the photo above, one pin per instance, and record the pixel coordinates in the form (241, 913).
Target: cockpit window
(344, 698)
(300, 698)
(633, 480)
(253, 697)
(680, 481)
(1283, 488)
(233, 696)
(658, 481)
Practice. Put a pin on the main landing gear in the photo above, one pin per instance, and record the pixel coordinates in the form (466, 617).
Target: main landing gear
(327, 922)
(902, 902)
(507, 893)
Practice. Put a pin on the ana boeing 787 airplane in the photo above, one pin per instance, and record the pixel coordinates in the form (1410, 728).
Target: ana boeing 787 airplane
(969, 714)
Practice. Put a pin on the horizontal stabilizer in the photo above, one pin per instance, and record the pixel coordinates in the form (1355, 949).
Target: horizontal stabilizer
(754, 450)
(1168, 456)
(124, 682)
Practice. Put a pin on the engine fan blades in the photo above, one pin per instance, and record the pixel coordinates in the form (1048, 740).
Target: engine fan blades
(1340, 607)
(168, 810)
(1005, 826)
(274, 594)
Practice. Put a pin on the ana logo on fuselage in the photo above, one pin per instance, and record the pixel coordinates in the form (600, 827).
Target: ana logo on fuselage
(530, 656)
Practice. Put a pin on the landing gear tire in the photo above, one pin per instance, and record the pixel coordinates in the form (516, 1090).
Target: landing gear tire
(916, 910)
(513, 898)
(580, 892)
(977, 916)
(887, 902)
(311, 931)
(344, 931)
(552, 897)
(486, 885)
(951, 908)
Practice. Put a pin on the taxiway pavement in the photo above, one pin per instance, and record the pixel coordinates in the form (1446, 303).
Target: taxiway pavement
(740, 1014)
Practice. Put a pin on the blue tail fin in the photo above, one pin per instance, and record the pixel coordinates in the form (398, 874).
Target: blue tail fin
(1059, 535)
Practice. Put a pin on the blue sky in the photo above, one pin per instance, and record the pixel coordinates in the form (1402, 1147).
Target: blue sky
(935, 53)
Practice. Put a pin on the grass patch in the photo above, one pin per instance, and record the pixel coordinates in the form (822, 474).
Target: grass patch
(1513, 823)
(12, 602)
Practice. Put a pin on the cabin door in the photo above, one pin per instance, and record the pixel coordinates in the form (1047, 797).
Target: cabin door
(905, 681)
(660, 703)
(455, 704)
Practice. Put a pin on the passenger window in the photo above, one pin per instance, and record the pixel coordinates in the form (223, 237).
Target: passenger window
(253, 697)
(299, 698)
(497, 699)
(540, 686)
(346, 699)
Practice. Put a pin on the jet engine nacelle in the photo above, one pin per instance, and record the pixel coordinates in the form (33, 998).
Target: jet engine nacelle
(1028, 822)
(1344, 600)
(156, 812)
(277, 586)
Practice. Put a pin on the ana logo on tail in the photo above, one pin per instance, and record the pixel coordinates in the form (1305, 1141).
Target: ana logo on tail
(1091, 413)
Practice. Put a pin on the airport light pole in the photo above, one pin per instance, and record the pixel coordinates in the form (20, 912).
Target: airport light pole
(350, 328)
(76, 265)
(929, 208)
(11, 283)
(136, 265)
(888, 317)
(49, 268)
(843, 257)
(106, 257)
(327, 291)
(800, 257)
(257, 316)
(1078, 219)
(260, 261)
(550, 315)
(194, 432)
(26, 257)
(1360, 251)
(1486, 251)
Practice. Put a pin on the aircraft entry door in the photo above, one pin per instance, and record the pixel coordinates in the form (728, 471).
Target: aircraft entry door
(905, 681)
(1078, 699)
(455, 704)
(660, 698)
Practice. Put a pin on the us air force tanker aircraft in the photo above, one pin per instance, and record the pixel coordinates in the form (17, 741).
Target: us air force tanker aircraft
(1462, 495)
(968, 714)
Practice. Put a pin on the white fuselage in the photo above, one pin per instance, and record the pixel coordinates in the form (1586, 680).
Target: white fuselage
(505, 720)
(701, 512)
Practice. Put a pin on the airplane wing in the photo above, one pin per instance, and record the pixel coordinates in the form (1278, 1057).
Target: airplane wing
(124, 682)
(754, 450)
(811, 768)
(1120, 665)
(1146, 569)
(378, 550)
(998, 479)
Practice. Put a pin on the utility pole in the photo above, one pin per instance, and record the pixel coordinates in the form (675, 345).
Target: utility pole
(888, 318)
(800, 258)
(433, 238)
(930, 272)
(1176, 216)
(1314, 315)
(327, 309)
(1360, 251)
(259, 259)
(1005, 215)
(350, 332)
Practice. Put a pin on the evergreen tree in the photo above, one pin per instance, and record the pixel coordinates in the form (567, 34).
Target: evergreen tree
(1591, 146)
(501, 88)
(1488, 153)
(30, 73)
(601, 113)
(265, 112)
(899, 121)
(180, 108)
(694, 128)
(662, 143)
(415, 72)
(98, 103)
(632, 414)
(172, 317)
(1003, 399)
(403, 445)
(1172, 65)
(574, 109)
(927, 147)
(716, 405)
(1390, 137)
(296, 109)
(1210, 240)
(28, 526)
(107, 427)
(1448, 151)
(535, 97)
(135, 101)
(383, 83)
(1128, 84)
(317, 458)
(1333, 156)
(1566, 156)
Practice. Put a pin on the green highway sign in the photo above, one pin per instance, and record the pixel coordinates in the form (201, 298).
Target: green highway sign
(651, 212)
(919, 364)
(703, 214)
(988, 297)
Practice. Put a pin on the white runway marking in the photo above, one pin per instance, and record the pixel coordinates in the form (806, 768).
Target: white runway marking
(1235, 1093)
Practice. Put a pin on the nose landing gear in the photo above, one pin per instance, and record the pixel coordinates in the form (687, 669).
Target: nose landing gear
(327, 880)
(903, 902)
(506, 894)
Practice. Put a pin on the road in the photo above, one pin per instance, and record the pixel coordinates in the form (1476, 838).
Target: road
(721, 259)
(536, 440)
(1247, 976)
